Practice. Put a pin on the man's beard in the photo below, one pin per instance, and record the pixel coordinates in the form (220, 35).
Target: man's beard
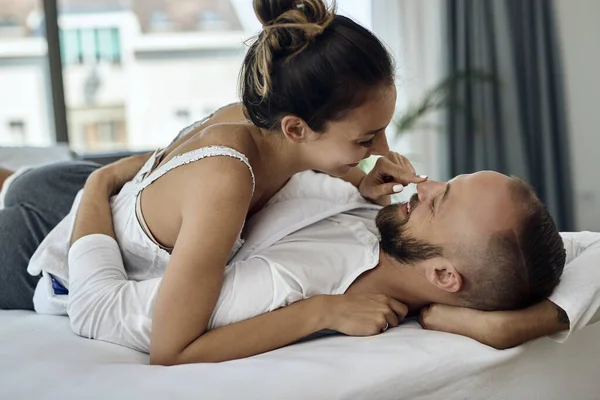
(397, 243)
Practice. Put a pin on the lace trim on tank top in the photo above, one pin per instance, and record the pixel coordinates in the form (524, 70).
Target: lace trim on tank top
(177, 161)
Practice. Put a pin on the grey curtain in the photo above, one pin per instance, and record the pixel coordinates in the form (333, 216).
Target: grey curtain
(516, 125)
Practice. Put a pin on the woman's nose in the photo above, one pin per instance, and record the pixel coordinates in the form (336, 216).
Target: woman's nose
(381, 146)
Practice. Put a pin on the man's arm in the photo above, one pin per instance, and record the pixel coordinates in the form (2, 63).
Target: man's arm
(574, 304)
(578, 293)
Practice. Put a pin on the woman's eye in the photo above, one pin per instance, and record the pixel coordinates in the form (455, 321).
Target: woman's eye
(368, 143)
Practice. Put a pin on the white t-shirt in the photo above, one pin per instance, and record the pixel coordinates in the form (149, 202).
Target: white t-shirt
(323, 258)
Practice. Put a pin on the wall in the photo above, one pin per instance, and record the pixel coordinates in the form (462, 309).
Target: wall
(579, 27)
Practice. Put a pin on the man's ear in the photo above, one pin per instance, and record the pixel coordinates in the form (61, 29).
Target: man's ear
(295, 129)
(441, 273)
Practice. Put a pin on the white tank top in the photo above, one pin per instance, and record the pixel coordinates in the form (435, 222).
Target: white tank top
(144, 257)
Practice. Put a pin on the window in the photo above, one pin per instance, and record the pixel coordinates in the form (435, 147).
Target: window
(17, 132)
(134, 72)
(79, 46)
(97, 129)
(10, 26)
(98, 134)
(25, 106)
(137, 72)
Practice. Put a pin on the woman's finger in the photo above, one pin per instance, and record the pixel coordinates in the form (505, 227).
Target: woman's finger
(408, 165)
(404, 162)
(387, 189)
(399, 173)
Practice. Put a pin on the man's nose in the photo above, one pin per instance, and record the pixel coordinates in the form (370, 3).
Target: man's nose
(381, 146)
(429, 189)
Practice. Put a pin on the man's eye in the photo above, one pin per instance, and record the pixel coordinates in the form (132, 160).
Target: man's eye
(433, 205)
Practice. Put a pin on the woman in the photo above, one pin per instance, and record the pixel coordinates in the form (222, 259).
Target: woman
(317, 92)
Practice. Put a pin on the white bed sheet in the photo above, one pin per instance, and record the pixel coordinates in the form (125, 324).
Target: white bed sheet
(40, 358)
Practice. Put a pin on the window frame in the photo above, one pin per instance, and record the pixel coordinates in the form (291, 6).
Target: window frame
(59, 108)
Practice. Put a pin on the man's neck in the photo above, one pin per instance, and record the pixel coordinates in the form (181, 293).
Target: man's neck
(399, 281)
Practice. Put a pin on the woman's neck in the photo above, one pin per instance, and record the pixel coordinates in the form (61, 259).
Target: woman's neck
(279, 159)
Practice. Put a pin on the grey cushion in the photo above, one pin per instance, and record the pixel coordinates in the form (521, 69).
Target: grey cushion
(16, 157)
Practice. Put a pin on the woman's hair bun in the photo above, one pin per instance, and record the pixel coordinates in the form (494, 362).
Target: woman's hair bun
(289, 26)
(273, 12)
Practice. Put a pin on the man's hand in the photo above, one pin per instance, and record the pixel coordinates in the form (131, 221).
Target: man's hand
(389, 176)
(498, 329)
(94, 215)
(118, 173)
(362, 314)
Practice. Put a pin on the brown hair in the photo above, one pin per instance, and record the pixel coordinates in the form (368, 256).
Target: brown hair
(518, 267)
(309, 62)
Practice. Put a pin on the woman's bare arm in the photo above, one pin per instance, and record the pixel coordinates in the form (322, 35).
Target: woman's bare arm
(213, 211)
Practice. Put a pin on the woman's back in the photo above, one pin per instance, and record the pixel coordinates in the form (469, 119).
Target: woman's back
(159, 201)
(146, 222)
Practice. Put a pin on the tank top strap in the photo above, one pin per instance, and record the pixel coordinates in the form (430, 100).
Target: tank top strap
(192, 156)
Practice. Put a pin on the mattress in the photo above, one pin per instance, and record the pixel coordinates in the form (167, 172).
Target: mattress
(40, 358)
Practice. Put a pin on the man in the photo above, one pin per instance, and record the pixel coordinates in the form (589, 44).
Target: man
(450, 226)
(35, 202)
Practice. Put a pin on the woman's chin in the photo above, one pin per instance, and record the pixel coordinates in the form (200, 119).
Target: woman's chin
(340, 171)
(343, 170)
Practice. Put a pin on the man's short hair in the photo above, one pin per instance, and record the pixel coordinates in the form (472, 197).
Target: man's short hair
(520, 267)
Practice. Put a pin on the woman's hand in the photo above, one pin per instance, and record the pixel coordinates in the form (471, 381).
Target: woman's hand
(389, 176)
(362, 314)
(115, 175)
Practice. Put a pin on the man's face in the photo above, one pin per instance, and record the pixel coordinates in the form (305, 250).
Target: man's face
(466, 209)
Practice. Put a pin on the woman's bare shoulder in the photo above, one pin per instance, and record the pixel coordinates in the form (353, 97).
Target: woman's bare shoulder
(238, 136)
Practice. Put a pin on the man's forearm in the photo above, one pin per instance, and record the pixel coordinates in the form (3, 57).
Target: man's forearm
(542, 319)
(94, 214)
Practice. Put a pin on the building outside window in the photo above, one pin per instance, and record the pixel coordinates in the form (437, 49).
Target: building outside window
(135, 72)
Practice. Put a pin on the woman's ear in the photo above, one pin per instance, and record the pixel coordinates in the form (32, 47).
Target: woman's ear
(295, 129)
(441, 273)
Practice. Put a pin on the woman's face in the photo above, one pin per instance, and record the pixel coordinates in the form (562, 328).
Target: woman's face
(360, 134)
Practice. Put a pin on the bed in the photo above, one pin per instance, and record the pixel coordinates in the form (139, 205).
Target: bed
(41, 358)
